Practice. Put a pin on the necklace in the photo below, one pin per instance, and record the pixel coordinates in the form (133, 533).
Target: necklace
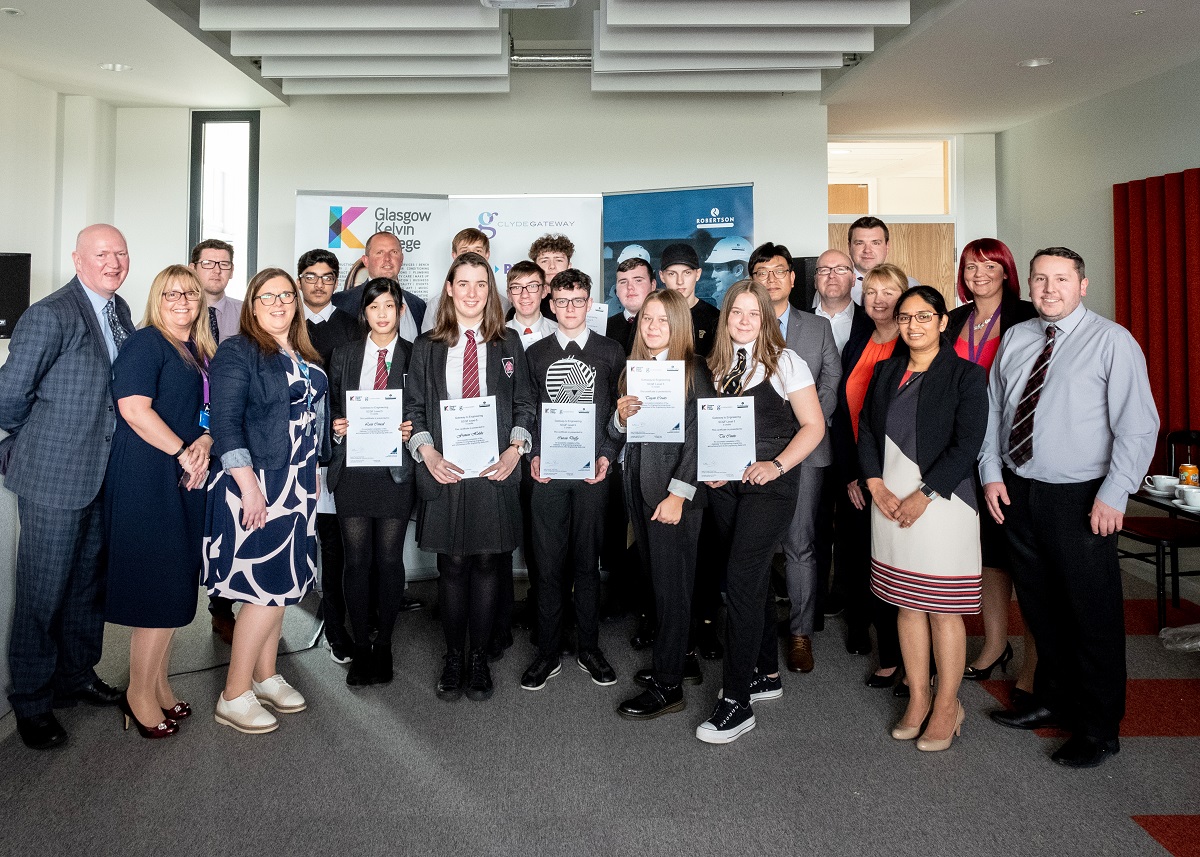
(986, 321)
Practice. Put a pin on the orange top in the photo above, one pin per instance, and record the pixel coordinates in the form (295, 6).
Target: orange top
(860, 376)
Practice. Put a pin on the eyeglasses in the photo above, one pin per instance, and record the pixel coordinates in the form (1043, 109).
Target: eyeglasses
(312, 279)
(764, 274)
(578, 303)
(174, 295)
(840, 270)
(209, 264)
(532, 288)
(268, 299)
(924, 317)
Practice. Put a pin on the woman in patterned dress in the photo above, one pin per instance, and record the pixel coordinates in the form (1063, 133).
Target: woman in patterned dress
(269, 425)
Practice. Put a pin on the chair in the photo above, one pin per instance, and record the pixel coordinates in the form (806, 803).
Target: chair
(1167, 535)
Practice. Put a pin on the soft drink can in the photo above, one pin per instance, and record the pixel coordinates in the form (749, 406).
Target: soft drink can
(1189, 474)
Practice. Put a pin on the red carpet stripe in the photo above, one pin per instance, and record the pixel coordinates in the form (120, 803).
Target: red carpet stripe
(1179, 834)
(1154, 707)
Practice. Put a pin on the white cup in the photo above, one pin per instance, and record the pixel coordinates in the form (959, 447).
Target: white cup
(1190, 496)
(1161, 483)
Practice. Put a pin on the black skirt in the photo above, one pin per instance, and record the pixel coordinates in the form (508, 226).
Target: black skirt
(472, 516)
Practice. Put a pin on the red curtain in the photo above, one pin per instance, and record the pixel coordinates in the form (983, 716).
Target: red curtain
(1156, 239)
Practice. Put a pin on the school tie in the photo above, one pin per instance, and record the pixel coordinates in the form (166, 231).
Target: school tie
(213, 327)
(732, 384)
(1020, 440)
(381, 372)
(470, 380)
(119, 333)
(528, 331)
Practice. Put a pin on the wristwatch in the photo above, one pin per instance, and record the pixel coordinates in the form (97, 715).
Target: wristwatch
(929, 493)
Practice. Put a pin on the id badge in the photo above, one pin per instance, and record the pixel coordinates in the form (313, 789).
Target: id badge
(204, 417)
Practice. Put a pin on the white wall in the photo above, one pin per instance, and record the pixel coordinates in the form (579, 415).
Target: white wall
(975, 193)
(1056, 173)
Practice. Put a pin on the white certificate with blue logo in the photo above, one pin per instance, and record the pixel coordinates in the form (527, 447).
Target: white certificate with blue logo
(568, 433)
(469, 434)
(658, 385)
(374, 438)
(724, 438)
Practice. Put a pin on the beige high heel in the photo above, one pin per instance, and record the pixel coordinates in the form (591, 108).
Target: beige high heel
(933, 745)
(906, 733)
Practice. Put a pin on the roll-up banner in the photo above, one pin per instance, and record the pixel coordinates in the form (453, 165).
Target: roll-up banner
(717, 221)
(341, 222)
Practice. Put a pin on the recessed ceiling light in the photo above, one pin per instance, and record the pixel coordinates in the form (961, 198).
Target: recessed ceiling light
(10, 10)
(115, 66)
(1036, 62)
(1139, 11)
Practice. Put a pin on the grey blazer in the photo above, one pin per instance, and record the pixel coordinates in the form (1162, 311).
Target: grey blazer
(811, 337)
(56, 399)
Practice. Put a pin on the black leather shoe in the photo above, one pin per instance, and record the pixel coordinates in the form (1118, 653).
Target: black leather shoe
(858, 641)
(539, 671)
(655, 701)
(593, 663)
(99, 692)
(1035, 718)
(1022, 700)
(450, 685)
(41, 731)
(882, 682)
(691, 669)
(479, 677)
(643, 636)
(708, 642)
(1081, 751)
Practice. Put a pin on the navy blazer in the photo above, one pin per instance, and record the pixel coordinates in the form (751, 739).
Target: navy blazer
(952, 416)
(250, 407)
(56, 399)
(345, 371)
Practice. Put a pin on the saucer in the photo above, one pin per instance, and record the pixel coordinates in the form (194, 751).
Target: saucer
(1185, 506)
(1170, 492)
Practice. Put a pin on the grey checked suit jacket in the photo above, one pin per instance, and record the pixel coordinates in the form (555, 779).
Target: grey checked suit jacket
(56, 399)
(811, 337)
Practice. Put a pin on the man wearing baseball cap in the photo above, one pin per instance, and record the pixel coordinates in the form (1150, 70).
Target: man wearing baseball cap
(679, 270)
(730, 259)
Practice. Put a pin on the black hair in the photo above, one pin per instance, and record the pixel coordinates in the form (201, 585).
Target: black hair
(372, 291)
(767, 252)
(571, 279)
(928, 294)
(317, 257)
(869, 223)
(1062, 253)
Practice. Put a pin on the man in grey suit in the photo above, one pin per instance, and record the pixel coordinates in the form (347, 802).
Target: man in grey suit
(811, 337)
(56, 400)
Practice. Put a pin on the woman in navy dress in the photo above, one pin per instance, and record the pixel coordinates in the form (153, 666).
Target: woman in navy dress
(269, 424)
(153, 502)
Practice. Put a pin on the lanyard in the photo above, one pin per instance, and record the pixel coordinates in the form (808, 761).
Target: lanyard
(973, 353)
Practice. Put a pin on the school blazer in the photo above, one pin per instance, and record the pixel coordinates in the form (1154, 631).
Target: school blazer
(507, 379)
(952, 415)
(1012, 311)
(345, 370)
(250, 407)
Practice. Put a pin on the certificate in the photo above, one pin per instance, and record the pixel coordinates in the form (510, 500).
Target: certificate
(658, 384)
(597, 319)
(469, 434)
(374, 438)
(725, 437)
(568, 434)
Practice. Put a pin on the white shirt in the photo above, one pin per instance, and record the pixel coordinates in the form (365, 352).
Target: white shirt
(323, 315)
(539, 330)
(841, 322)
(580, 340)
(366, 378)
(454, 364)
(407, 328)
(791, 374)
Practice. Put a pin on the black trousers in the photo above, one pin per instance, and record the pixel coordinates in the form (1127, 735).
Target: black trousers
(668, 552)
(568, 529)
(374, 543)
(752, 521)
(1068, 584)
(333, 601)
(710, 572)
(628, 581)
(853, 571)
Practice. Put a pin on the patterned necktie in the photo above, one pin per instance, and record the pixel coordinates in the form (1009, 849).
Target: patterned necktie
(119, 333)
(381, 372)
(470, 380)
(732, 383)
(213, 326)
(1020, 440)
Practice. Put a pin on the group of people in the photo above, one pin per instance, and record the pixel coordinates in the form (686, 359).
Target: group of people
(912, 463)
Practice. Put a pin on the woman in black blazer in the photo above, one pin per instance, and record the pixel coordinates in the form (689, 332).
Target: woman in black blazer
(665, 504)
(919, 435)
(990, 287)
(373, 503)
(470, 520)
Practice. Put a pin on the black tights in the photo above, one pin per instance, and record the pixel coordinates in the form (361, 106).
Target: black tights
(467, 590)
(379, 541)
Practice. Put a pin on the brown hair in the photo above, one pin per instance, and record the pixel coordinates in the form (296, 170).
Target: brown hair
(525, 268)
(767, 346)
(297, 332)
(445, 325)
(553, 243)
(184, 279)
(470, 235)
(210, 244)
(680, 346)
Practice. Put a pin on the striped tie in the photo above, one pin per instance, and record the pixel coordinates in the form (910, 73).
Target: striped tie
(1020, 441)
(470, 384)
(381, 372)
(732, 383)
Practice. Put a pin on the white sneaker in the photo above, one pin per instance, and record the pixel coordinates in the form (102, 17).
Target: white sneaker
(278, 694)
(245, 714)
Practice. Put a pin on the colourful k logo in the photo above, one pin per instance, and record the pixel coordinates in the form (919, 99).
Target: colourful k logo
(339, 223)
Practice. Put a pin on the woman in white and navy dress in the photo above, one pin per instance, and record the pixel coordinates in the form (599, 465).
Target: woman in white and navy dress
(919, 435)
(373, 503)
(269, 425)
(749, 358)
(470, 520)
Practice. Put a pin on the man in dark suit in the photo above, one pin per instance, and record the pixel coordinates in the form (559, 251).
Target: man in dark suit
(771, 266)
(383, 256)
(56, 400)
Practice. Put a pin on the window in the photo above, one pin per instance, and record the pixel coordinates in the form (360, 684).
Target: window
(224, 187)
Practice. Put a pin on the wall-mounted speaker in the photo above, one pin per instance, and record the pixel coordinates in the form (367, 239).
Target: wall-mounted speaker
(14, 290)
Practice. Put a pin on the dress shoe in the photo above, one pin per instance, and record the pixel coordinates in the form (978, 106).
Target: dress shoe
(223, 627)
(450, 685)
(410, 605)
(164, 729)
(543, 667)
(906, 733)
(1081, 751)
(655, 701)
(360, 673)
(381, 662)
(178, 711)
(928, 744)
(882, 682)
(99, 692)
(502, 640)
(593, 663)
(479, 677)
(1035, 718)
(708, 641)
(245, 714)
(643, 635)
(984, 673)
(277, 693)
(800, 656)
(41, 731)
(858, 641)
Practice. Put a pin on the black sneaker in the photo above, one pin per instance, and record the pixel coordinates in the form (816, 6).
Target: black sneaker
(593, 662)
(764, 687)
(541, 669)
(728, 721)
(450, 686)
(479, 681)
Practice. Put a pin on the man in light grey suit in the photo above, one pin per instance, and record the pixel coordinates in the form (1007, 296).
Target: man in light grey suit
(811, 337)
(56, 400)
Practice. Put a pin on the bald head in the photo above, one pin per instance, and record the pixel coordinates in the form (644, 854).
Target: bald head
(835, 276)
(101, 259)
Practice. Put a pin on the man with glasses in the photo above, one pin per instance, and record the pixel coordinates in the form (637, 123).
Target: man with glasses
(834, 279)
(212, 260)
(771, 266)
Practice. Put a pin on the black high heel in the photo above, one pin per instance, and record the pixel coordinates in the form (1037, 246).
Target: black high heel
(163, 730)
(985, 673)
